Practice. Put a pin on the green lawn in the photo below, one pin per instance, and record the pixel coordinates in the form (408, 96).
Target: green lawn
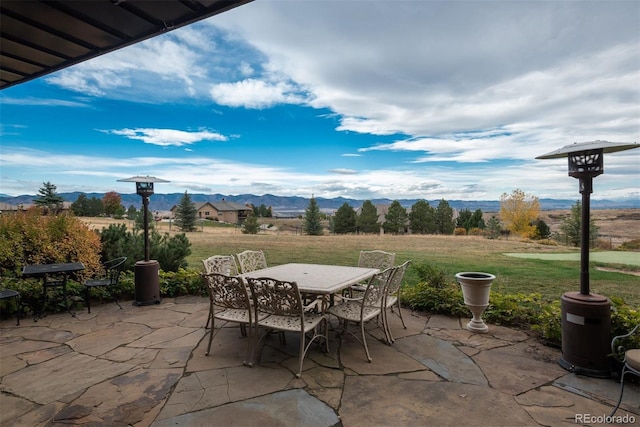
(606, 257)
(549, 277)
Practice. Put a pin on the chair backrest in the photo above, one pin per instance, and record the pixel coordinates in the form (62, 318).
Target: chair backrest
(113, 268)
(251, 261)
(376, 288)
(223, 264)
(228, 292)
(622, 343)
(395, 282)
(277, 297)
(376, 259)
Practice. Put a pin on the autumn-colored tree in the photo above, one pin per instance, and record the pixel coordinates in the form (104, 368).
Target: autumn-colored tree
(518, 211)
(112, 203)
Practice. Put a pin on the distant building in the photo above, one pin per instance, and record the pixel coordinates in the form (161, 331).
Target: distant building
(223, 211)
(9, 208)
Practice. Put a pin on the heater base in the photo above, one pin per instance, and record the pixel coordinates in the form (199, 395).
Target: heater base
(586, 334)
(147, 282)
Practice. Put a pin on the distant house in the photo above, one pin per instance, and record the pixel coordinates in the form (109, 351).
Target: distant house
(223, 211)
(9, 208)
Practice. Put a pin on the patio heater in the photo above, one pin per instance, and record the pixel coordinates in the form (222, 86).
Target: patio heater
(586, 317)
(147, 281)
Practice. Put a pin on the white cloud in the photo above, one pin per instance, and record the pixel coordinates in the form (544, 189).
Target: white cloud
(466, 94)
(252, 93)
(168, 137)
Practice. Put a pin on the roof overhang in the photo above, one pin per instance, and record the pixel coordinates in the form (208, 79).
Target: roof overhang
(40, 37)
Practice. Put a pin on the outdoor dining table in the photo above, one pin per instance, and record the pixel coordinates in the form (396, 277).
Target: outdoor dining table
(53, 275)
(317, 279)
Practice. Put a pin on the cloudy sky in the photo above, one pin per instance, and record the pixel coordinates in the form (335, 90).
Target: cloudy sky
(361, 99)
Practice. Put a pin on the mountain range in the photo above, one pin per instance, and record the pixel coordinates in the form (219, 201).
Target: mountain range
(164, 202)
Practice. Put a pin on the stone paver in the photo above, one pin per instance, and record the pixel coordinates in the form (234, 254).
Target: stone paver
(443, 358)
(60, 378)
(291, 408)
(398, 402)
(143, 366)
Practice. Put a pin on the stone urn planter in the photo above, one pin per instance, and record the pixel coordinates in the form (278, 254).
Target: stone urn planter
(475, 289)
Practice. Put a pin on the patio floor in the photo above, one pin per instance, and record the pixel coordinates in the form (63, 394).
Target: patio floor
(144, 366)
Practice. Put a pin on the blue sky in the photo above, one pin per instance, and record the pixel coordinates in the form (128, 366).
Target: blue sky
(360, 99)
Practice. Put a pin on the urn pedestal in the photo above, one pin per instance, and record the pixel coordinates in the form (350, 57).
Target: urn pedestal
(476, 287)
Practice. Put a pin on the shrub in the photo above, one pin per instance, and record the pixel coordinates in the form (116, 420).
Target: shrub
(475, 231)
(548, 242)
(181, 282)
(30, 238)
(460, 231)
(170, 252)
(631, 245)
(434, 293)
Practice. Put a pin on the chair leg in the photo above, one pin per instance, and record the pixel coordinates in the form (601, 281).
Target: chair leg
(209, 316)
(18, 308)
(364, 341)
(386, 328)
(87, 298)
(211, 334)
(301, 354)
(400, 314)
(624, 371)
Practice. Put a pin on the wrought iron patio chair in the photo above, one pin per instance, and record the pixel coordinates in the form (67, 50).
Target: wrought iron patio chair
(109, 278)
(373, 259)
(229, 302)
(392, 298)
(223, 264)
(281, 304)
(364, 308)
(630, 358)
(251, 261)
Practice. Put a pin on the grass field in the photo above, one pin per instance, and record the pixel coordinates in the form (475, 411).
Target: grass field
(453, 254)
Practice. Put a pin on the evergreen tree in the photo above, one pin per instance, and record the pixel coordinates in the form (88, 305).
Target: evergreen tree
(119, 212)
(139, 224)
(422, 218)
(396, 218)
(493, 227)
(95, 207)
(542, 230)
(312, 225)
(468, 220)
(251, 225)
(572, 226)
(444, 218)
(81, 206)
(48, 199)
(131, 212)
(345, 219)
(367, 221)
(477, 220)
(186, 214)
(464, 219)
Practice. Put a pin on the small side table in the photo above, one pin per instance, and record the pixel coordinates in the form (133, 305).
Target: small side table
(9, 293)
